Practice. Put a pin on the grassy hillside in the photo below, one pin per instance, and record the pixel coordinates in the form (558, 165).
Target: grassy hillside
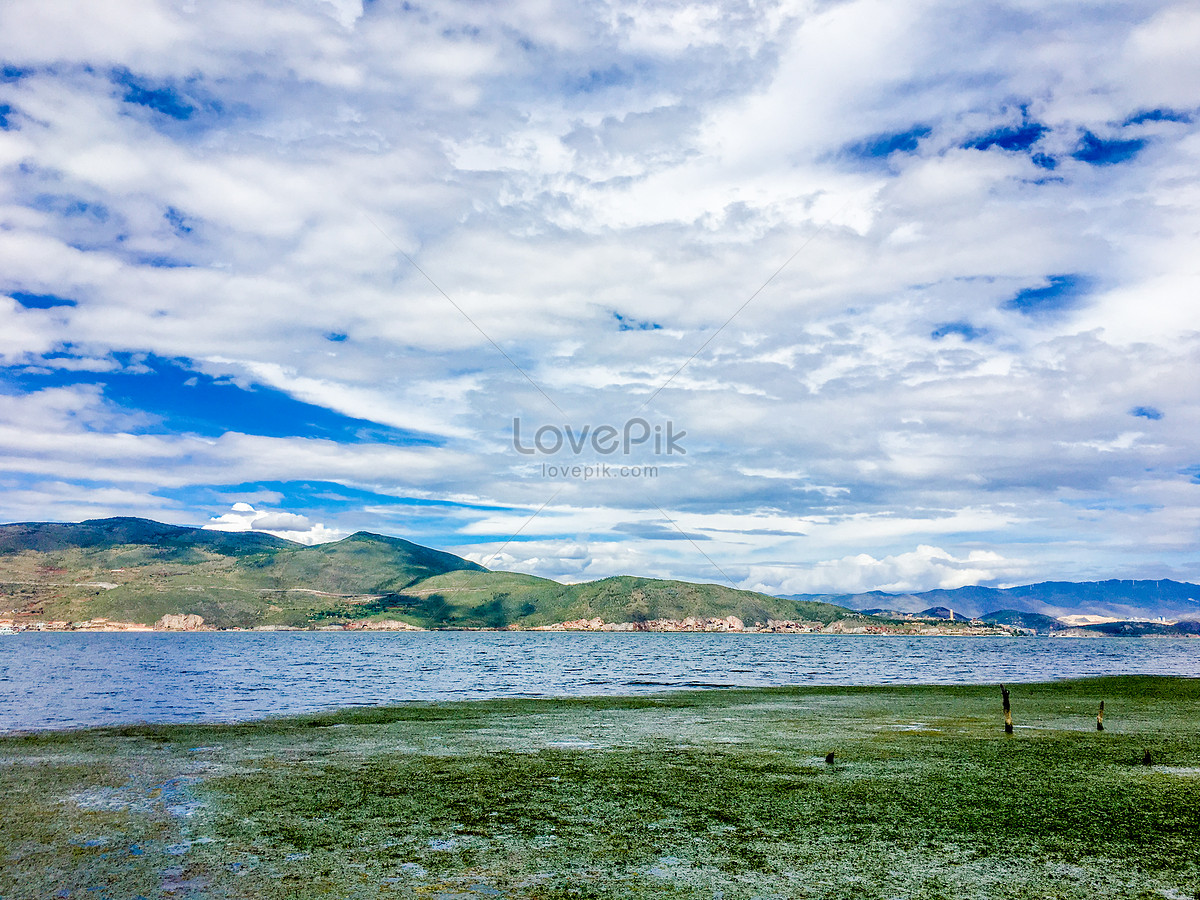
(647, 598)
(135, 570)
(1018, 619)
(166, 540)
(361, 564)
(499, 599)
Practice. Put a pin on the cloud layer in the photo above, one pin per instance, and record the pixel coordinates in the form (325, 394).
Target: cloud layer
(917, 280)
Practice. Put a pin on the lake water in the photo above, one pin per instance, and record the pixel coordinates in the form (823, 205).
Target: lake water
(52, 680)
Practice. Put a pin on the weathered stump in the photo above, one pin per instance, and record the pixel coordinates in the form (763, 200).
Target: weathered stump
(829, 758)
(1100, 717)
(1008, 726)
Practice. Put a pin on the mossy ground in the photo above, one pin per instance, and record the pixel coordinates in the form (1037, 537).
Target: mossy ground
(717, 794)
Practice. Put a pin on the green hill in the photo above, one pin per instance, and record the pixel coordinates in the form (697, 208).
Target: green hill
(1027, 620)
(136, 570)
(48, 537)
(360, 564)
(499, 599)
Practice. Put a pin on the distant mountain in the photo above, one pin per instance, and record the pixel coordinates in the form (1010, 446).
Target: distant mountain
(137, 570)
(941, 612)
(46, 537)
(1026, 620)
(1142, 629)
(498, 599)
(363, 563)
(934, 612)
(1119, 599)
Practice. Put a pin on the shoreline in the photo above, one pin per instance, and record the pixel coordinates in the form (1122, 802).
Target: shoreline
(668, 697)
(872, 791)
(850, 625)
(146, 629)
(906, 630)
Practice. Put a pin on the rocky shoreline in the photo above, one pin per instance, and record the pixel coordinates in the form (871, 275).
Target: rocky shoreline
(732, 624)
(712, 625)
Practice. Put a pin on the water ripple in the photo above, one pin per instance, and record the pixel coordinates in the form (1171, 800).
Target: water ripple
(68, 680)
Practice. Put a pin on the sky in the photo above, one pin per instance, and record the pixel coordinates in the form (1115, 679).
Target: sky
(796, 296)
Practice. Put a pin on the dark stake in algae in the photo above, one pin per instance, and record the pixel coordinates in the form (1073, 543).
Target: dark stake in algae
(1100, 717)
(1008, 728)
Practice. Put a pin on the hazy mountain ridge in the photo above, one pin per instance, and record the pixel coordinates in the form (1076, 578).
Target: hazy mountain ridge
(1121, 599)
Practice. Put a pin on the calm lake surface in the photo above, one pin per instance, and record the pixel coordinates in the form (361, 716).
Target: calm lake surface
(67, 680)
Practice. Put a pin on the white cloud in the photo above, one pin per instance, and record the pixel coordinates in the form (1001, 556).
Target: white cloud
(290, 526)
(20, 334)
(64, 501)
(554, 166)
(924, 568)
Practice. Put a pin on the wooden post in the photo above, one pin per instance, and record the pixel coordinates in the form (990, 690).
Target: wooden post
(1007, 711)
(829, 758)
(1100, 717)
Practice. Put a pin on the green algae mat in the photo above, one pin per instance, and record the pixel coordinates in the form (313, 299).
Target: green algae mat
(718, 794)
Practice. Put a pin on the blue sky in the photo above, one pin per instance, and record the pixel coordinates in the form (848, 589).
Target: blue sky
(917, 282)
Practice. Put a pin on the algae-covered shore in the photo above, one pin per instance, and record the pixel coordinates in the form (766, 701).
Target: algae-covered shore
(711, 794)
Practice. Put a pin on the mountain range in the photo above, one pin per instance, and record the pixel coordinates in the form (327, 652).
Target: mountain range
(137, 570)
(1122, 599)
